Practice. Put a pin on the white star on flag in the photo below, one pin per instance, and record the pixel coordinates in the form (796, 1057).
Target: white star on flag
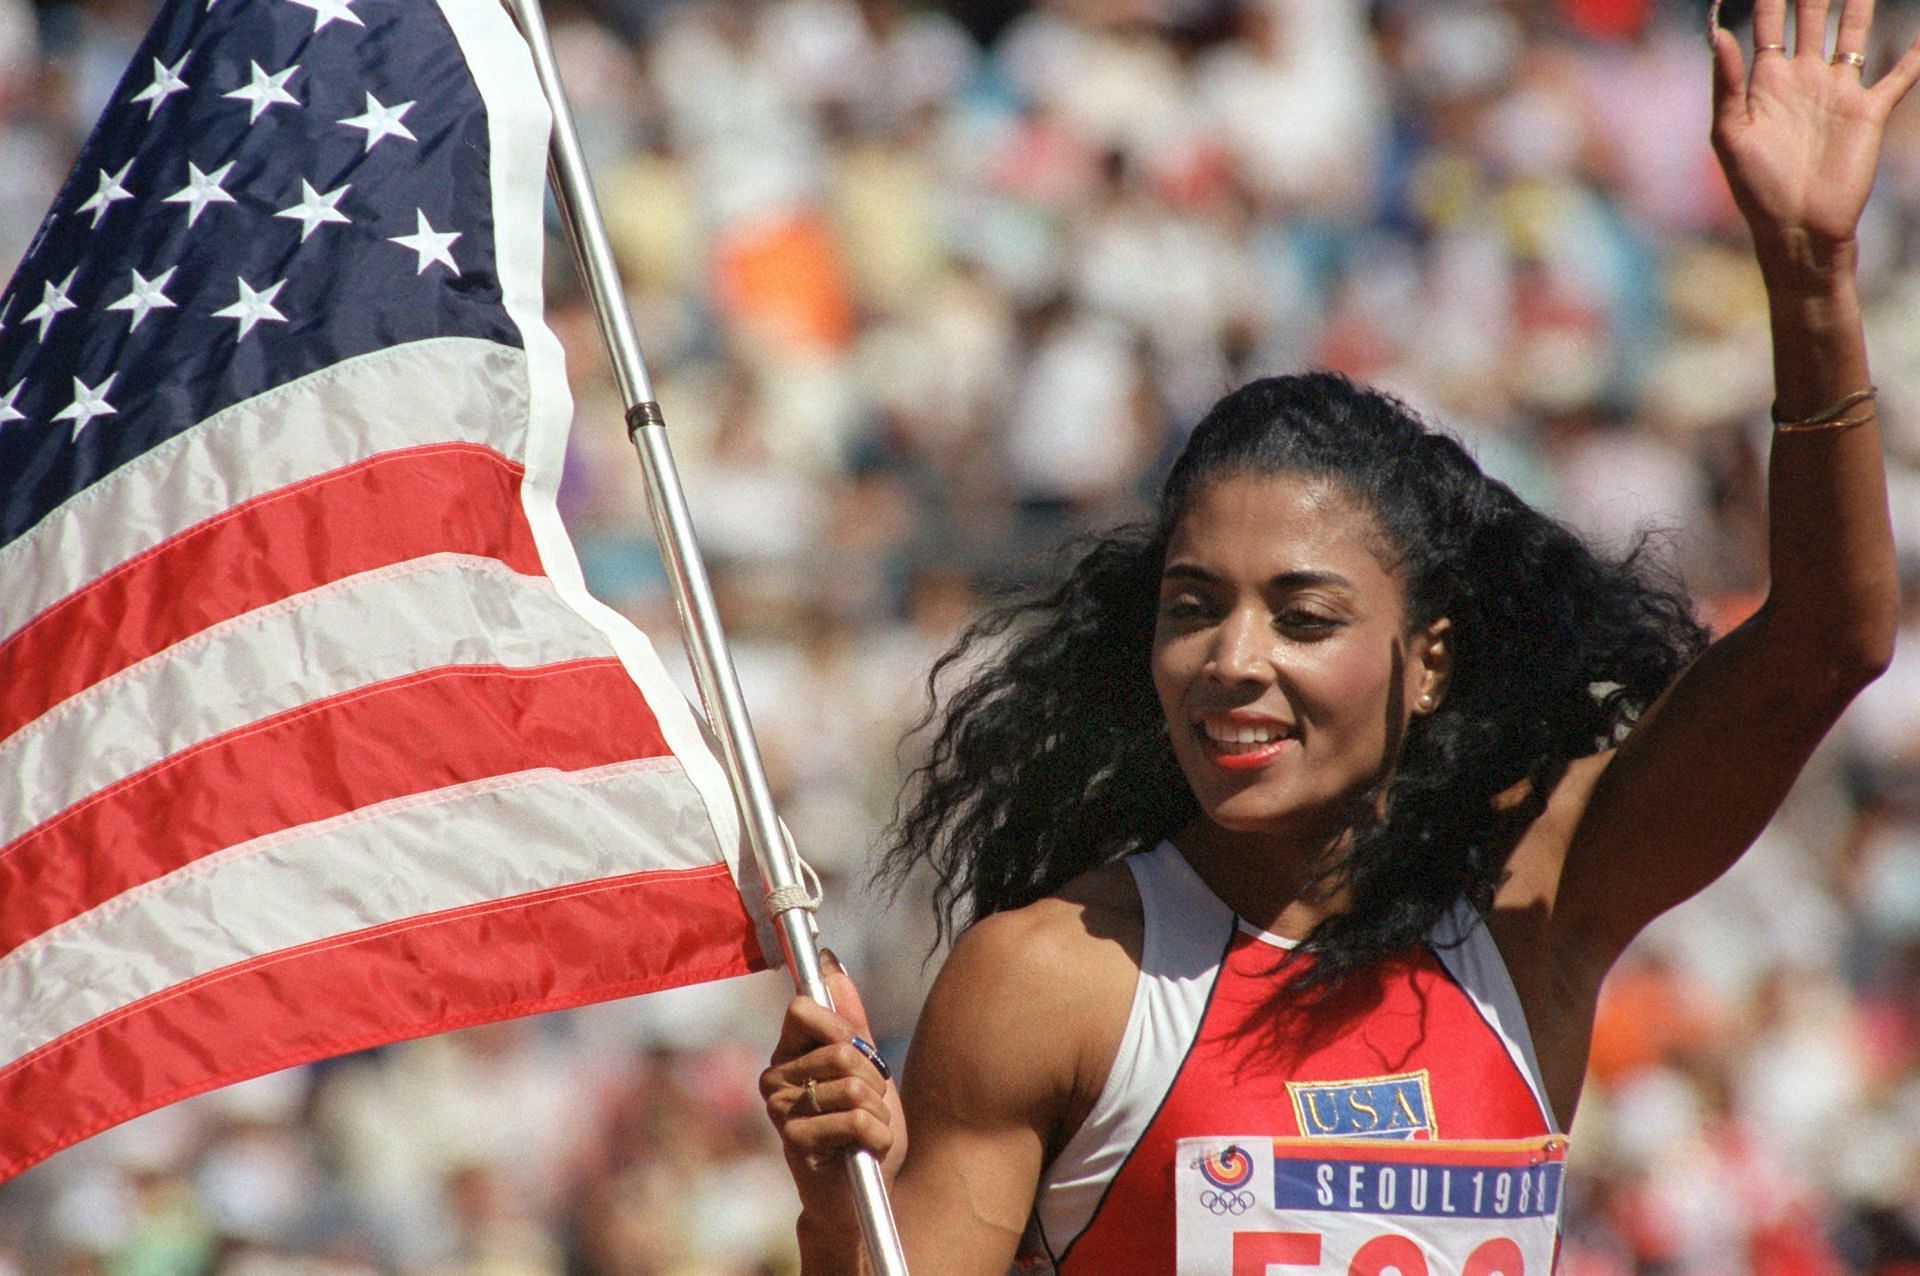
(432, 245)
(166, 82)
(253, 307)
(52, 301)
(265, 91)
(7, 411)
(315, 208)
(110, 191)
(145, 297)
(325, 11)
(381, 121)
(201, 189)
(88, 403)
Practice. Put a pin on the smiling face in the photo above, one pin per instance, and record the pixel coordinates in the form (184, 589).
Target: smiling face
(1281, 655)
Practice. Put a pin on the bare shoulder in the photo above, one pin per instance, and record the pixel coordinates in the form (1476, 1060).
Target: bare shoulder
(1530, 888)
(1029, 1008)
(1530, 918)
(1002, 1063)
(1047, 949)
(1557, 991)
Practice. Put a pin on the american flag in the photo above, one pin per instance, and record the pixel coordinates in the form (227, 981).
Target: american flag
(310, 736)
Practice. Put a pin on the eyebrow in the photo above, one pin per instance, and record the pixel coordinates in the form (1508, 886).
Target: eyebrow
(1300, 579)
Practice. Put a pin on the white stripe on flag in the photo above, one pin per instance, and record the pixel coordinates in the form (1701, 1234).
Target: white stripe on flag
(498, 59)
(415, 855)
(474, 391)
(448, 609)
(208, 593)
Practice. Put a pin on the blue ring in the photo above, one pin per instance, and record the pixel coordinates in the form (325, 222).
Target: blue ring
(865, 1047)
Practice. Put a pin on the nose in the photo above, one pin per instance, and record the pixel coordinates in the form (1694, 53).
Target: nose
(1241, 648)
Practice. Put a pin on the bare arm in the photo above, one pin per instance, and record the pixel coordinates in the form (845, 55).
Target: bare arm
(1633, 833)
(1013, 1044)
(991, 1079)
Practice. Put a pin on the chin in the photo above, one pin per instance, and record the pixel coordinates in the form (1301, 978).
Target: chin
(1254, 814)
(1255, 817)
(1239, 820)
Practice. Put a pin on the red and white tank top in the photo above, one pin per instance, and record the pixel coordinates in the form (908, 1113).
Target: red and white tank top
(1400, 1124)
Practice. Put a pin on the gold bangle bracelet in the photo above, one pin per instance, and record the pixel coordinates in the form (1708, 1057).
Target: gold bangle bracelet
(1829, 414)
(1815, 427)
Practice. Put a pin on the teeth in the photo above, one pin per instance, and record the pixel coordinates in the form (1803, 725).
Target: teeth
(1239, 737)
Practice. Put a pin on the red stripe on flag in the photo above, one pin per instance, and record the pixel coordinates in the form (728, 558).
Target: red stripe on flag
(446, 498)
(565, 947)
(414, 734)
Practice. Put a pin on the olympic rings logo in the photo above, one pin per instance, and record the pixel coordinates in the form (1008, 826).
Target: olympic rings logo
(1227, 1170)
(1235, 1203)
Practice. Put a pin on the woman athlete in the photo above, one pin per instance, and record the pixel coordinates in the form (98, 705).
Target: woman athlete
(1297, 830)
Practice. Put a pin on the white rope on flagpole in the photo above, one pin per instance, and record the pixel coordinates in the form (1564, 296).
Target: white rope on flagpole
(791, 900)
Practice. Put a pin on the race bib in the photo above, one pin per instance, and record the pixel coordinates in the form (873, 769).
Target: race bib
(1367, 1207)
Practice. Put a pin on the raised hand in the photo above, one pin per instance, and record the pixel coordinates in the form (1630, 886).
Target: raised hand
(1799, 134)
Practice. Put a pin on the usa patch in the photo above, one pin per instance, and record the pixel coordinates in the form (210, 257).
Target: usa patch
(1395, 1107)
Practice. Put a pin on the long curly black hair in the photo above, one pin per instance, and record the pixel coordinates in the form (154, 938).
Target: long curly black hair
(1054, 758)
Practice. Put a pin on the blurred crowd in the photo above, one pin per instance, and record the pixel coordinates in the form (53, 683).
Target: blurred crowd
(923, 293)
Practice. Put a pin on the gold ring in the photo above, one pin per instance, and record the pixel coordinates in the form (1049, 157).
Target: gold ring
(813, 1099)
(1758, 49)
(1854, 60)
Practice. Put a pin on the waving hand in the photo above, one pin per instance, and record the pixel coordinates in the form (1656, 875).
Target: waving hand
(1798, 133)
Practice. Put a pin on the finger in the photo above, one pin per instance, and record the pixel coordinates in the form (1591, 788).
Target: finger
(816, 1138)
(1810, 28)
(1769, 22)
(828, 1063)
(1729, 84)
(1856, 21)
(807, 1026)
(1899, 78)
(846, 997)
(844, 1094)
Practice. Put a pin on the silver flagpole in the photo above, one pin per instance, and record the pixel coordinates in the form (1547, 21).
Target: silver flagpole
(712, 665)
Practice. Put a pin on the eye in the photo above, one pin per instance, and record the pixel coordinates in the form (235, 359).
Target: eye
(1184, 608)
(1307, 621)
